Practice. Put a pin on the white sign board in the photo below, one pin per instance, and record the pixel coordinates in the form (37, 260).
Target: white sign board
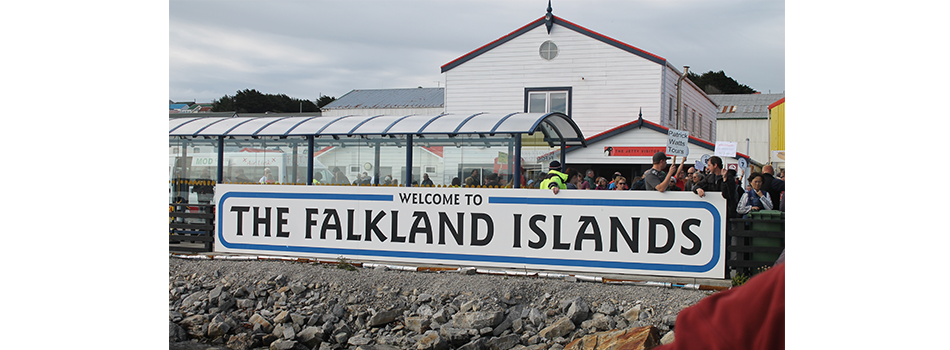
(726, 148)
(677, 143)
(625, 232)
(700, 165)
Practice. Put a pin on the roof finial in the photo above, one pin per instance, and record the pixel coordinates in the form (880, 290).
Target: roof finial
(549, 18)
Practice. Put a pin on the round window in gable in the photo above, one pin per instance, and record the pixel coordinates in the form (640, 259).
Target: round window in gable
(548, 50)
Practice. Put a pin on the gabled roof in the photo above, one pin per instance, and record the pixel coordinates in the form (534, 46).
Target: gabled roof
(390, 98)
(563, 23)
(777, 103)
(641, 123)
(177, 106)
(747, 106)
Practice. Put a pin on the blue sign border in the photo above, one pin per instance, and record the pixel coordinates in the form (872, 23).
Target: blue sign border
(717, 232)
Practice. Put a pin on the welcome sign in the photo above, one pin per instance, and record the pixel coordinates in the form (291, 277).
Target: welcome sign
(622, 232)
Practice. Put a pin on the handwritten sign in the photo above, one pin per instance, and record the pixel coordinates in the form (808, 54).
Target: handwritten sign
(676, 143)
(726, 148)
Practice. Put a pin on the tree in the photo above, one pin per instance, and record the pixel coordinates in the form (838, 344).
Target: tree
(324, 100)
(253, 101)
(718, 83)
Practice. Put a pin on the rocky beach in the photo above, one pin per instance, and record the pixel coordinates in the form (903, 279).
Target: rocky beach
(267, 304)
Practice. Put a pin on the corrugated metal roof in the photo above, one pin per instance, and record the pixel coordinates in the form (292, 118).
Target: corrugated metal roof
(746, 105)
(390, 98)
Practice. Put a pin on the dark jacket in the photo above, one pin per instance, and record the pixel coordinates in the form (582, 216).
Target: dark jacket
(774, 187)
(728, 189)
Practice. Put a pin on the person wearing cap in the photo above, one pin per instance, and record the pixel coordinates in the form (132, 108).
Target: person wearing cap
(556, 180)
(655, 179)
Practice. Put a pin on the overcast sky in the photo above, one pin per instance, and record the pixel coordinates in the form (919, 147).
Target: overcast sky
(307, 48)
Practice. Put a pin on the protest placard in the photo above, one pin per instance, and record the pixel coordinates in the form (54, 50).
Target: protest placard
(726, 148)
(677, 143)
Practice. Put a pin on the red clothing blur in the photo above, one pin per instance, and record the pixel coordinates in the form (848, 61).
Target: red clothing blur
(751, 316)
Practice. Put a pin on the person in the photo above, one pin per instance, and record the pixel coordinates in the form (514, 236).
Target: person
(205, 189)
(589, 180)
(366, 180)
(655, 179)
(456, 182)
(556, 180)
(472, 180)
(317, 177)
(267, 178)
(755, 199)
(772, 185)
(680, 183)
(638, 183)
(388, 180)
(613, 182)
(491, 180)
(750, 316)
(338, 177)
(240, 177)
(621, 184)
(601, 183)
(695, 180)
(719, 180)
(573, 179)
(426, 181)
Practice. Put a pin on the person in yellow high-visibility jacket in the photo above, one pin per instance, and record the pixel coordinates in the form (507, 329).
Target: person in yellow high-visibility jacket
(556, 180)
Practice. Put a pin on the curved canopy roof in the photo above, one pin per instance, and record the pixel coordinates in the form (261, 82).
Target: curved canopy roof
(556, 127)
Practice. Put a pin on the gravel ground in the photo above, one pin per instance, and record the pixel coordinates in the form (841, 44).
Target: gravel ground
(371, 290)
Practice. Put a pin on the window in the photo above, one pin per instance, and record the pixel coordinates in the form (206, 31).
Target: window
(684, 117)
(700, 135)
(548, 100)
(548, 50)
(694, 123)
(671, 110)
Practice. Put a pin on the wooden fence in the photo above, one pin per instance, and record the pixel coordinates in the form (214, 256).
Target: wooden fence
(189, 224)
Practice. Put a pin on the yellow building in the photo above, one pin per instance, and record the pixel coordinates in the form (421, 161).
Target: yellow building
(777, 133)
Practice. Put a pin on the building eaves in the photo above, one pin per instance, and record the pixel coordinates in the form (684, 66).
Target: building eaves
(563, 23)
(390, 98)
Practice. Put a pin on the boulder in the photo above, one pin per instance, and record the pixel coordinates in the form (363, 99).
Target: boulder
(176, 333)
(431, 340)
(479, 319)
(455, 336)
(578, 311)
(241, 341)
(560, 328)
(417, 324)
(282, 345)
(310, 336)
(632, 314)
(384, 317)
(640, 338)
(669, 337)
(504, 343)
(263, 323)
(282, 317)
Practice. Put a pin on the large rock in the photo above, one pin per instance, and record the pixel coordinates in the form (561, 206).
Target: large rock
(192, 298)
(536, 317)
(311, 336)
(477, 344)
(504, 343)
(431, 340)
(264, 324)
(562, 327)
(455, 336)
(217, 328)
(196, 325)
(417, 324)
(632, 314)
(479, 319)
(384, 317)
(176, 333)
(578, 311)
(282, 345)
(241, 341)
(640, 338)
(282, 317)
(669, 337)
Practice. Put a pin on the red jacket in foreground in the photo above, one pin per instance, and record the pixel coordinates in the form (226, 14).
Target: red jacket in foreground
(751, 316)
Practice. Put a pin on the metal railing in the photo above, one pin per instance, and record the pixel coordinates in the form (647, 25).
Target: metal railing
(189, 224)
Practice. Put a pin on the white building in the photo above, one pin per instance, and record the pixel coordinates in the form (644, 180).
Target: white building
(744, 119)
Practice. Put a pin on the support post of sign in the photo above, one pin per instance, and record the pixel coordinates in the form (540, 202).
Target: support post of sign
(309, 160)
(517, 170)
(563, 155)
(407, 182)
(220, 158)
(376, 163)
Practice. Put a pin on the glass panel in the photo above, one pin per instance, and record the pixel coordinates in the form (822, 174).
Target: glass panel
(359, 161)
(192, 170)
(559, 102)
(537, 102)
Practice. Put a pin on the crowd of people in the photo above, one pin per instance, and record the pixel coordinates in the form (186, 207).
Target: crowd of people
(765, 190)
